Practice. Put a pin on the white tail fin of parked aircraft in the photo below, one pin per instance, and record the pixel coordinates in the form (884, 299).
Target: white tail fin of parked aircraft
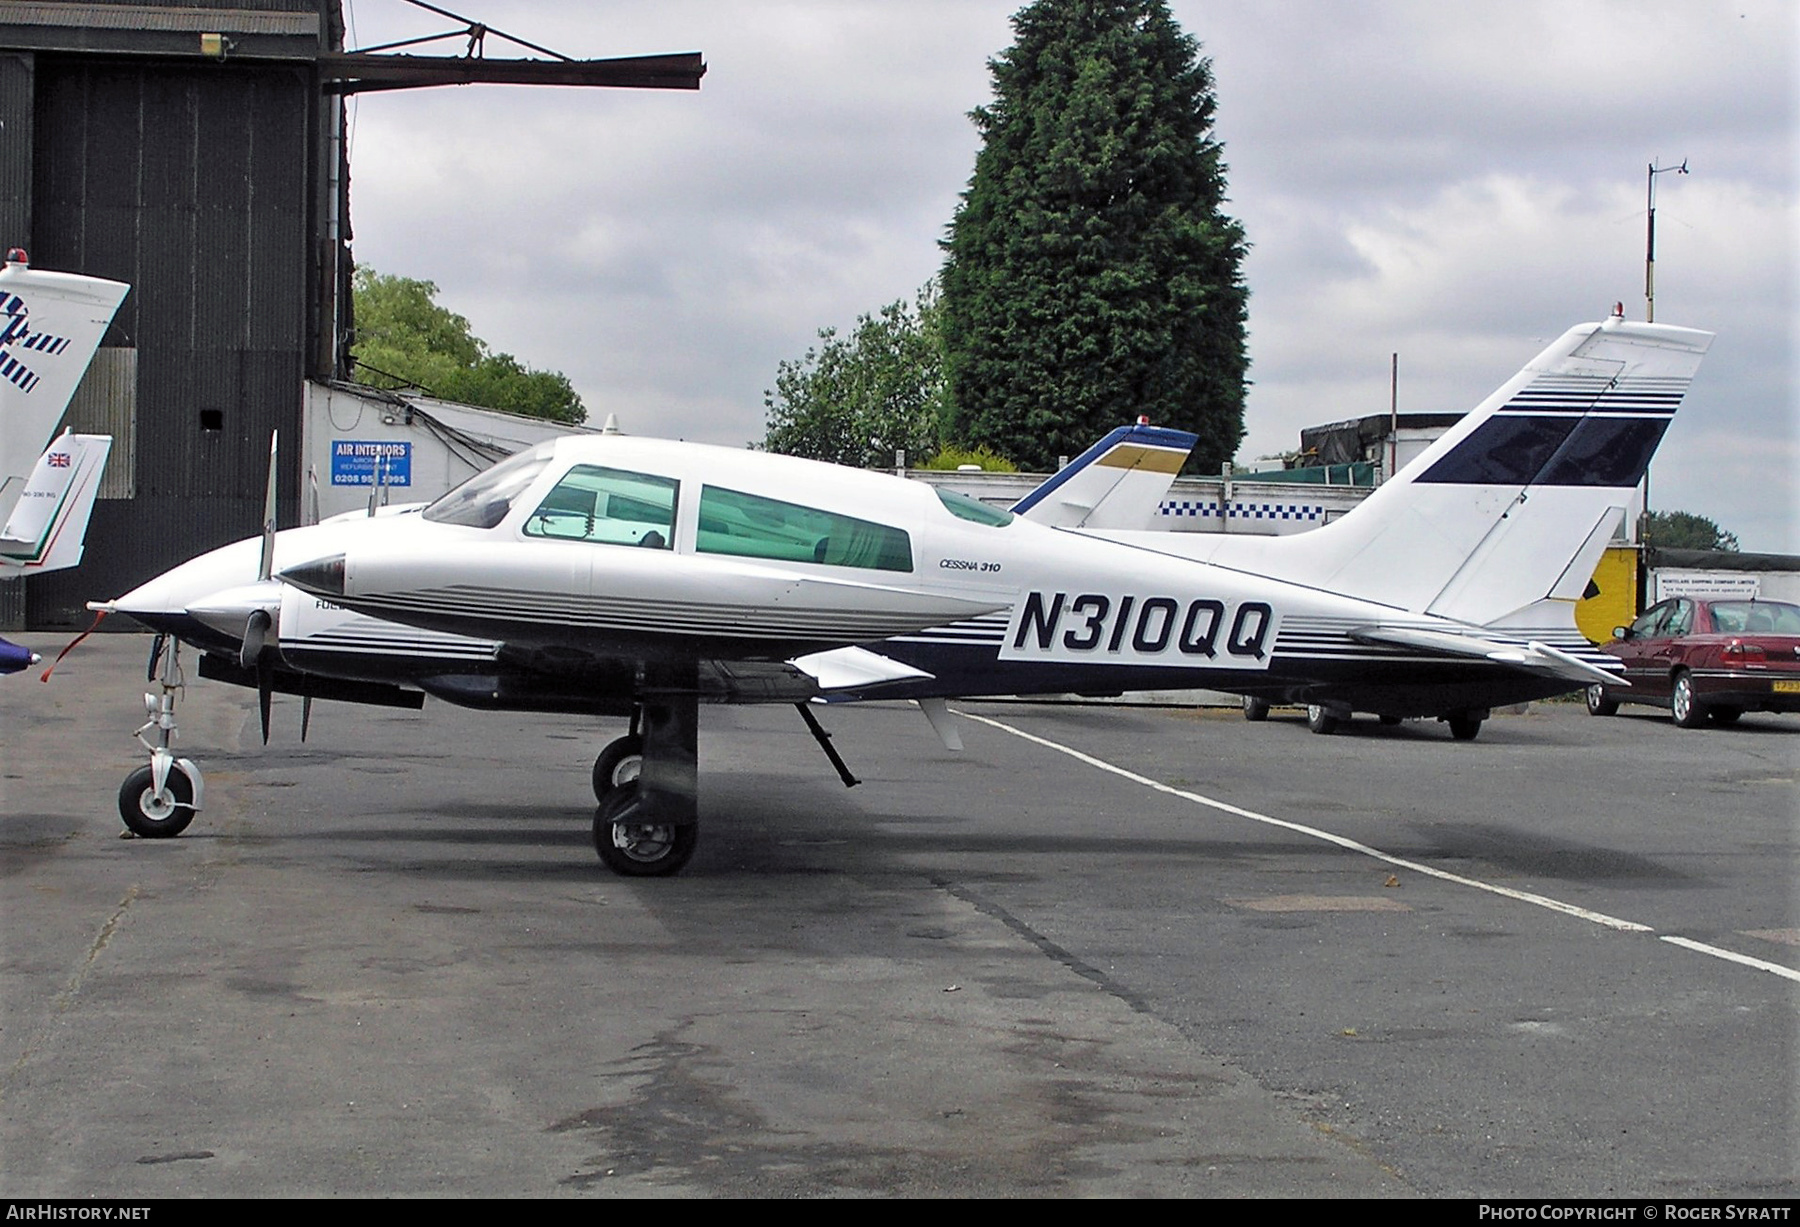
(1501, 522)
(50, 326)
(1116, 484)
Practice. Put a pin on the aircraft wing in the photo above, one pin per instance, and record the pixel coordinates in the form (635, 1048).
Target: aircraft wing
(1532, 656)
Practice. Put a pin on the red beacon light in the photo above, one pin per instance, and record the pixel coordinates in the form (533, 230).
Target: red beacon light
(16, 255)
(1143, 419)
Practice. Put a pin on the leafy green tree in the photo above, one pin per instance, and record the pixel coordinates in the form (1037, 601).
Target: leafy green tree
(405, 339)
(1683, 530)
(857, 399)
(1090, 274)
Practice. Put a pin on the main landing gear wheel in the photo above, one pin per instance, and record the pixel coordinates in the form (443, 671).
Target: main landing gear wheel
(1321, 719)
(1255, 709)
(1463, 726)
(1688, 714)
(1597, 702)
(153, 815)
(618, 764)
(639, 849)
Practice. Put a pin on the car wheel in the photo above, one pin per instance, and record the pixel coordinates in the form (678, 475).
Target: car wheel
(1688, 713)
(1255, 709)
(1321, 719)
(1597, 702)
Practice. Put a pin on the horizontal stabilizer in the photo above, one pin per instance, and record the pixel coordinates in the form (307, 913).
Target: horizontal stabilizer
(1533, 656)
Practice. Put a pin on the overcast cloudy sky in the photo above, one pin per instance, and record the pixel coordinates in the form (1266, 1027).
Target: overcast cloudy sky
(1454, 182)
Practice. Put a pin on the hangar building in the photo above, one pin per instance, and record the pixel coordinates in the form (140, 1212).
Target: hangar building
(195, 150)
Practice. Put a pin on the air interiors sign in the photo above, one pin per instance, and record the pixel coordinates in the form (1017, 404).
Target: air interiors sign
(356, 462)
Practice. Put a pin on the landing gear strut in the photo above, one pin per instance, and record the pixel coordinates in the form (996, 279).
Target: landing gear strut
(622, 761)
(647, 822)
(159, 800)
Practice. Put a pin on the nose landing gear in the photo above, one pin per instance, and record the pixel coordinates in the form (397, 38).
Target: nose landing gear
(157, 801)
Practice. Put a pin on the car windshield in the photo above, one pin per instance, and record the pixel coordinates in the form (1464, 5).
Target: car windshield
(1756, 617)
(484, 500)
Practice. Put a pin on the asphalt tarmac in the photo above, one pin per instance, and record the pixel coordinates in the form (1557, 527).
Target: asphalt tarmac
(1561, 960)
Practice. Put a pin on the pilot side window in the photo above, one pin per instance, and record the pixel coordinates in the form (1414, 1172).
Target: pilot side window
(751, 526)
(613, 506)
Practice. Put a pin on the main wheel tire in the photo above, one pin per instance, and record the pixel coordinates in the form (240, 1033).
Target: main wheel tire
(152, 816)
(1688, 713)
(1725, 715)
(1463, 726)
(1321, 719)
(619, 763)
(1255, 710)
(639, 849)
(1597, 702)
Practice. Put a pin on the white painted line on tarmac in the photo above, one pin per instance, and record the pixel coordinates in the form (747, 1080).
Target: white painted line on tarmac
(1351, 845)
(1732, 956)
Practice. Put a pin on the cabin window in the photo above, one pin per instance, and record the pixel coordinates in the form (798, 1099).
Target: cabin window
(484, 500)
(750, 526)
(613, 506)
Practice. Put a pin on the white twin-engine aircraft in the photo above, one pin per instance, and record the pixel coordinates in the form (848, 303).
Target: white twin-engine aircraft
(638, 577)
(50, 326)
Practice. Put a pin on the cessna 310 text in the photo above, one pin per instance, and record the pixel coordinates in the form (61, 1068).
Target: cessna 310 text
(638, 577)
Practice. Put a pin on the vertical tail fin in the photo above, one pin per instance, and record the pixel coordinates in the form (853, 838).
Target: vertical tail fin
(50, 326)
(1511, 508)
(46, 529)
(1117, 483)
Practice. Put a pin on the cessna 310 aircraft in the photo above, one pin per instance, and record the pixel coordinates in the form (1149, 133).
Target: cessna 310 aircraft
(627, 576)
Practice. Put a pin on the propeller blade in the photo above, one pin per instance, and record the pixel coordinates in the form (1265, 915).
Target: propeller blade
(265, 691)
(305, 716)
(266, 565)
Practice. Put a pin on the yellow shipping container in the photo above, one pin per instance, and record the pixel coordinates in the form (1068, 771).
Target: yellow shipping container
(1614, 594)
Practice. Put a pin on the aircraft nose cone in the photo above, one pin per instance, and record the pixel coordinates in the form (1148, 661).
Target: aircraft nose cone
(321, 576)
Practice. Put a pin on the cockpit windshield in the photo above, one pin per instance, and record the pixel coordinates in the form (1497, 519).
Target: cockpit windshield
(484, 500)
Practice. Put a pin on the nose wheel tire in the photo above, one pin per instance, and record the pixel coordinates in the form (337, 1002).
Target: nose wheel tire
(618, 764)
(637, 849)
(1321, 719)
(1255, 709)
(153, 815)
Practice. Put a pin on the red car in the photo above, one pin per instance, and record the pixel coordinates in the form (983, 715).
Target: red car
(1701, 659)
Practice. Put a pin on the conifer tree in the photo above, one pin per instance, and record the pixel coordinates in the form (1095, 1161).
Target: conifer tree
(1091, 274)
